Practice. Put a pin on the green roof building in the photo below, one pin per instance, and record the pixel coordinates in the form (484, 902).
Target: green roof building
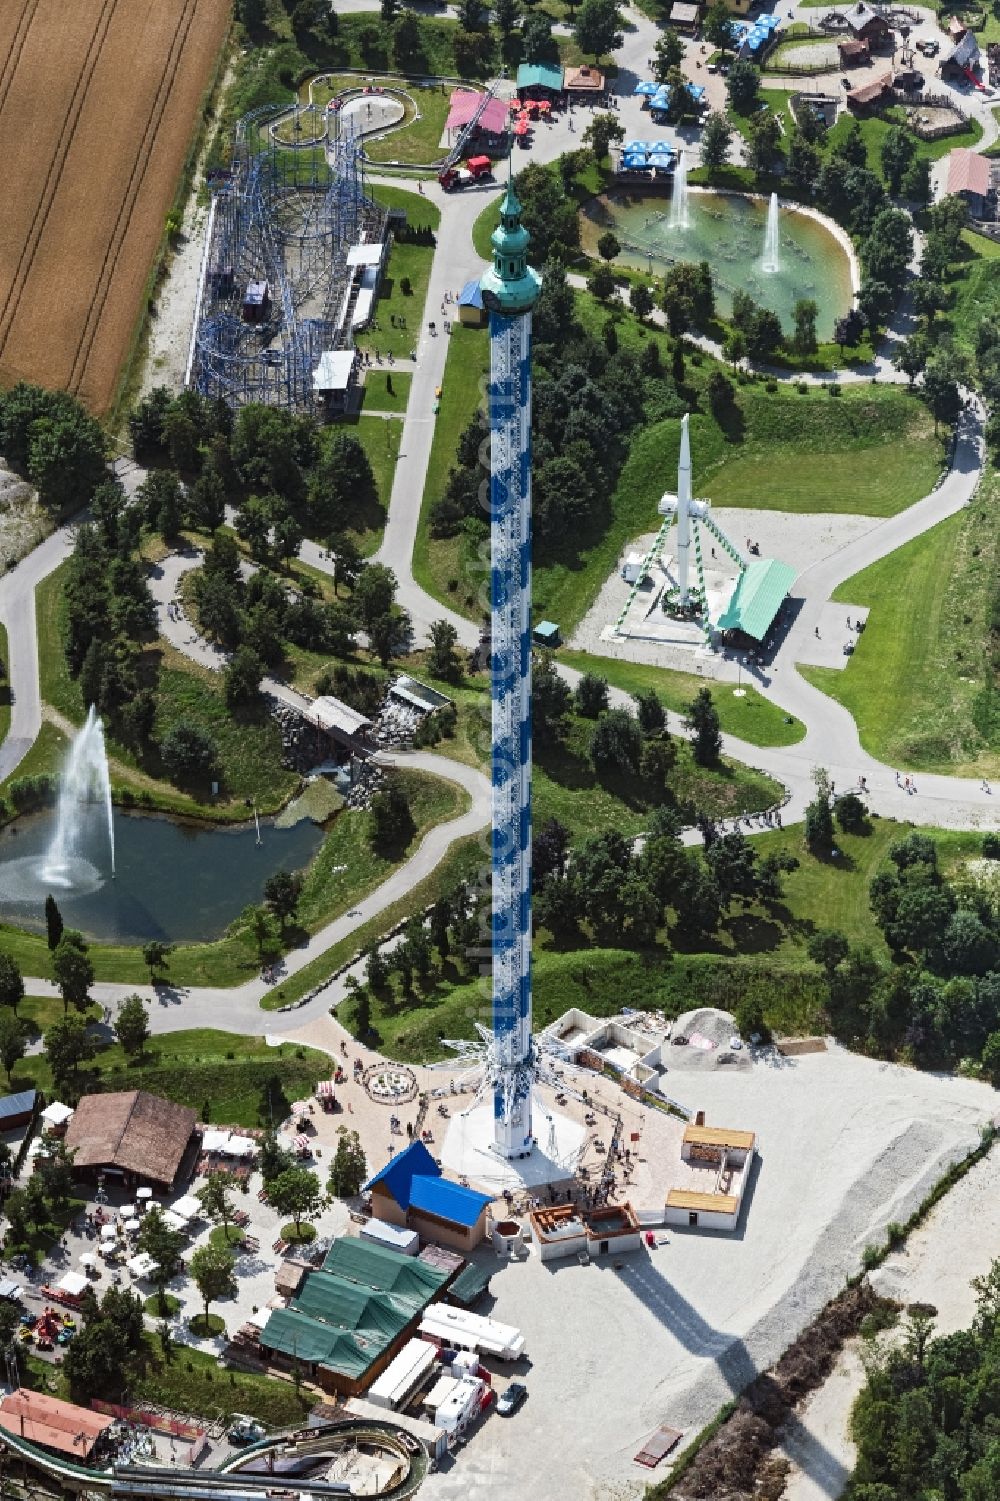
(353, 1316)
(757, 598)
(546, 78)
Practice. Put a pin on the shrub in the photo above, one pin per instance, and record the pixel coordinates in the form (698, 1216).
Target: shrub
(991, 846)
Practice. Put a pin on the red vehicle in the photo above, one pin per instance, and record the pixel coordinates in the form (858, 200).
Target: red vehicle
(476, 169)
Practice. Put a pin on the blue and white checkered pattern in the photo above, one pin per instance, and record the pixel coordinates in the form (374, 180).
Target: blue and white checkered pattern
(510, 559)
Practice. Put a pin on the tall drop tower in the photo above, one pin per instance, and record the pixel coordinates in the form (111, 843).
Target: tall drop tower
(510, 290)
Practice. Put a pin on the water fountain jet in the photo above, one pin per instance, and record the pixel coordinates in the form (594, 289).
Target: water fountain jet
(679, 216)
(84, 776)
(771, 259)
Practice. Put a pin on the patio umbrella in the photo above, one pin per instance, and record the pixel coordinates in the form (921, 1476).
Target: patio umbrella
(133, 1225)
(521, 128)
(514, 105)
(631, 146)
(544, 105)
(645, 86)
(144, 1193)
(108, 1232)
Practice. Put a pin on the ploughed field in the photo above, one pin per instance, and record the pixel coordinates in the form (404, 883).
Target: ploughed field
(98, 105)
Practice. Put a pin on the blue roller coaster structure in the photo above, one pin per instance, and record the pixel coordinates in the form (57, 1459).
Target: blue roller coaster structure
(290, 207)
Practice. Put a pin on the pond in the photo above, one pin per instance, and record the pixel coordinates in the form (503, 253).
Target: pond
(728, 231)
(177, 881)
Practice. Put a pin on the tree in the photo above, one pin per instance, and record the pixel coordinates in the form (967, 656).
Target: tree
(132, 1026)
(896, 152)
(536, 38)
(911, 357)
(652, 715)
(940, 386)
(742, 86)
(281, 894)
(53, 922)
(188, 752)
(374, 593)
(917, 182)
(874, 302)
(211, 1267)
(591, 695)
(387, 10)
(929, 297)
(668, 54)
(242, 676)
(443, 661)
(155, 954)
(616, 744)
(11, 982)
(802, 163)
(991, 1059)
(851, 813)
(804, 338)
(819, 824)
(604, 129)
(702, 722)
(506, 14)
(67, 1044)
(73, 971)
(296, 1192)
(640, 300)
(551, 698)
(392, 826)
(765, 335)
(716, 140)
(601, 283)
(764, 145)
(718, 29)
(215, 1197)
(349, 1168)
(608, 246)
(828, 949)
(598, 28)
(735, 347)
(13, 1042)
(687, 296)
(164, 1245)
(887, 249)
(265, 936)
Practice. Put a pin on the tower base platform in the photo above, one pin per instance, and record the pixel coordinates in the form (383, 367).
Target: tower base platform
(468, 1151)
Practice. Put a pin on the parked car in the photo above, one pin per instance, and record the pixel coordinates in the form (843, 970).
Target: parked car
(245, 1430)
(511, 1399)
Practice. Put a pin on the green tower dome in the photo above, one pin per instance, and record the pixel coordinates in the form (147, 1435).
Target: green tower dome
(510, 286)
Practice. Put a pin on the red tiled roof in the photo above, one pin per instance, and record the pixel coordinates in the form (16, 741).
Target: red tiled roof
(968, 172)
(54, 1424)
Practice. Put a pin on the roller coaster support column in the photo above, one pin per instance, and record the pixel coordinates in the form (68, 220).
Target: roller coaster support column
(510, 290)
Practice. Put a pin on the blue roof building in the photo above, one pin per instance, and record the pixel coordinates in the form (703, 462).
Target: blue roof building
(471, 309)
(411, 1190)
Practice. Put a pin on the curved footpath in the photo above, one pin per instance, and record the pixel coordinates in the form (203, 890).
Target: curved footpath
(831, 737)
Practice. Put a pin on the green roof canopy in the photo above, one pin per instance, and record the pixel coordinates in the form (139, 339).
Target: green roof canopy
(470, 1284)
(757, 598)
(411, 1283)
(306, 1339)
(539, 76)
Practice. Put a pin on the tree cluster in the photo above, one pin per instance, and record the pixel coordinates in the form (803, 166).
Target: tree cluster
(50, 439)
(925, 1421)
(938, 1004)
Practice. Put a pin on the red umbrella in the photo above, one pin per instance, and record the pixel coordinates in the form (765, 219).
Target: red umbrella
(521, 128)
(544, 105)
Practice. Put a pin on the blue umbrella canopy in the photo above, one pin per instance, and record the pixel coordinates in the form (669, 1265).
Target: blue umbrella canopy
(645, 86)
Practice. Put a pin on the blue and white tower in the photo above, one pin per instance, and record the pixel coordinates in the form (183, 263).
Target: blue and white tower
(510, 290)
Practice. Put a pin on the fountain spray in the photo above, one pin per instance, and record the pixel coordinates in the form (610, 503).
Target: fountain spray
(771, 259)
(84, 775)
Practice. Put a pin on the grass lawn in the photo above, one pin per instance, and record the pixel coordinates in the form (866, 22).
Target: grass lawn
(566, 786)
(161, 1309)
(386, 390)
(466, 858)
(875, 130)
(438, 560)
(776, 100)
(753, 718)
(416, 140)
(380, 440)
(410, 264)
(327, 893)
(974, 282)
(231, 1079)
(920, 684)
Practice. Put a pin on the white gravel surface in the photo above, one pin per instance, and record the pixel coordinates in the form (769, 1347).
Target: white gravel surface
(667, 1335)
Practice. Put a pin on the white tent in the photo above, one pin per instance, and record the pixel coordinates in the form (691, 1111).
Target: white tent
(215, 1141)
(108, 1232)
(187, 1208)
(57, 1114)
(174, 1221)
(242, 1146)
(142, 1265)
(72, 1284)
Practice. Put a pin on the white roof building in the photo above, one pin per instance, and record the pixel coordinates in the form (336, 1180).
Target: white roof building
(463, 1330)
(403, 1375)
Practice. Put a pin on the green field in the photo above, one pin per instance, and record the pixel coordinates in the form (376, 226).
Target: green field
(417, 138)
(875, 130)
(409, 264)
(752, 718)
(974, 285)
(386, 390)
(920, 684)
(380, 440)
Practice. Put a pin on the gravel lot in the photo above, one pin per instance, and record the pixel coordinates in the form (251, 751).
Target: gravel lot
(846, 1145)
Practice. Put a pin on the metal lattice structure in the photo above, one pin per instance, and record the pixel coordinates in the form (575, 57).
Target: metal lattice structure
(287, 215)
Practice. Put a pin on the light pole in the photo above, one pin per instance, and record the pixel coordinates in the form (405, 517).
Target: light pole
(739, 691)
